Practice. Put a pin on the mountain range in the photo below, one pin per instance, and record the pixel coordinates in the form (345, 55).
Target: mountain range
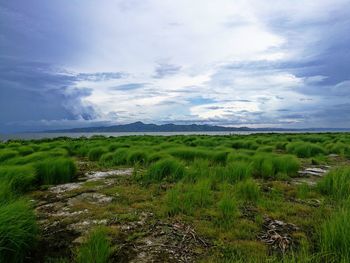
(143, 127)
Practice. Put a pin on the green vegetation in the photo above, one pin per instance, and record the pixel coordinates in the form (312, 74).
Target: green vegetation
(335, 237)
(225, 188)
(97, 248)
(17, 230)
(336, 184)
(167, 169)
(56, 171)
(304, 149)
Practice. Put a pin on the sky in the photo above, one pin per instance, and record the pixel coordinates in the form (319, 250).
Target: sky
(253, 63)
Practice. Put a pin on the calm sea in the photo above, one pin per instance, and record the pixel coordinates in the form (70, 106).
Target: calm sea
(32, 136)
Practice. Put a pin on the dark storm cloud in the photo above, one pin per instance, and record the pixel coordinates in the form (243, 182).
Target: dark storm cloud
(31, 91)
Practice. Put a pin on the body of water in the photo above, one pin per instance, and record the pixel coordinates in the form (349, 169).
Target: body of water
(33, 136)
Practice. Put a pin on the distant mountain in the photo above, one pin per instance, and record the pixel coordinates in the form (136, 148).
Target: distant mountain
(142, 127)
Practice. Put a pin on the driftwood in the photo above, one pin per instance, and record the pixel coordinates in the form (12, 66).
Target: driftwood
(277, 234)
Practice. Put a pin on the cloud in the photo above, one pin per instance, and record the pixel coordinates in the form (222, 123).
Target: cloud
(163, 70)
(129, 86)
(250, 63)
(34, 91)
(100, 76)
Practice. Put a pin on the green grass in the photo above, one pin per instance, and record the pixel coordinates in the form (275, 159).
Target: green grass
(25, 150)
(187, 198)
(248, 191)
(97, 248)
(18, 231)
(244, 144)
(168, 169)
(137, 157)
(335, 237)
(94, 154)
(273, 166)
(336, 184)
(227, 211)
(305, 149)
(19, 178)
(6, 154)
(235, 172)
(222, 186)
(56, 171)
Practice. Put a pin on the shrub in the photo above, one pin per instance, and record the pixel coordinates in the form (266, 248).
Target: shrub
(18, 230)
(248, 191)
(304, 149)
(94, 154)
(335, 237)
(56, 171)
(97, 248)
(19, 178)
(7, 154)
(336, 183)
(167, 169)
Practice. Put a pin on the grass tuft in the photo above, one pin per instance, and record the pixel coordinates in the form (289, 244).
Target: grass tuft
(305, 149)
(336, 184)
(168, 169)
(18, 230)
(248, 191)
(97, 248)
(56, 171)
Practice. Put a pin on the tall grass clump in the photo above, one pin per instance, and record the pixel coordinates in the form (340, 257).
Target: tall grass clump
(227, 211)
(18, 230)
(94, 154)
(272, 166)
(56, 171)
(245, 144)
(19, 178)
(305, 149)
(6, 154)
(248, 191)
(188, 154)
(335, 237)
(168, 169)
(235, 172)
(120, 157)
(25, 150)
(137, 157)
(186, 198)
(6, 193)
(97, 248)
(336, 184)
(199, 169)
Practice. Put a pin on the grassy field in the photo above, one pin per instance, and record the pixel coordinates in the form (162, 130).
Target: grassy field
(241, 198)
